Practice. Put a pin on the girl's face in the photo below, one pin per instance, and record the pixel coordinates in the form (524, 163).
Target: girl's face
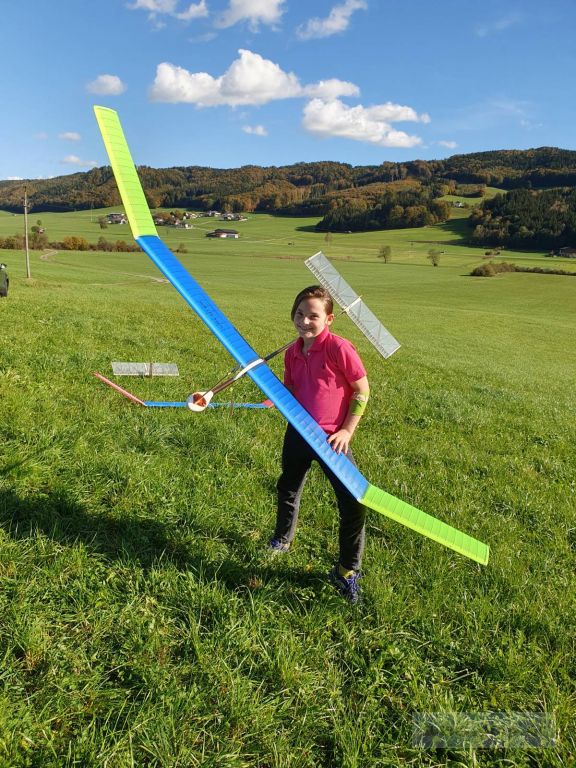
(310, 319)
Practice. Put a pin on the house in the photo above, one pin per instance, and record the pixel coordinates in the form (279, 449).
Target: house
(568, 252)
(116, 218)
(223, 233)
(232, 217)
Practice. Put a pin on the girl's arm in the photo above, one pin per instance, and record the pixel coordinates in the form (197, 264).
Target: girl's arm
(340, 440)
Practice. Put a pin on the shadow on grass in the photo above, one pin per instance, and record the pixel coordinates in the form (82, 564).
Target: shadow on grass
(148, 543)
(308, 228)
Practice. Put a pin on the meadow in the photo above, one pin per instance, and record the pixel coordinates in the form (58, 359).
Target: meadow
(142, 622)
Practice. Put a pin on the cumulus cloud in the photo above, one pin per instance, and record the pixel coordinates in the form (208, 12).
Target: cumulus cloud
(106, 85)
(368, 124)
(337, 21)
(156, 8)
(250, 80)
(75, 160)
(448, 144)
(14, 178)
(331, 89)
(69, 136)
(255, 130)
(256, 12)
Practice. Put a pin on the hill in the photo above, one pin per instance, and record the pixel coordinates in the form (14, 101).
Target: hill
(299, 189)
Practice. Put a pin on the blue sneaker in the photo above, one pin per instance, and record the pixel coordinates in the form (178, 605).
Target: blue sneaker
(277, 547)
(348, 587)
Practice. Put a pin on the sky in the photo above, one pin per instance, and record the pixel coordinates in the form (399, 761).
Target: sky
(227, 83)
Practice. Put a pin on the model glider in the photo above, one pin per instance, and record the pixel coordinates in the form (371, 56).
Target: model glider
(146, 236)
(174, 403)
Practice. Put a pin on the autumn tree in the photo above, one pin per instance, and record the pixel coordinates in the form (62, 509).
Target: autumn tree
(385, 253)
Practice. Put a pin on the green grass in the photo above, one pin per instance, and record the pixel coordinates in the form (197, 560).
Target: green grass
(141, 622)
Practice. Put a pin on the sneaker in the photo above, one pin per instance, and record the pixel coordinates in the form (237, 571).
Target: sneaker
(277, 547)
(348, 587)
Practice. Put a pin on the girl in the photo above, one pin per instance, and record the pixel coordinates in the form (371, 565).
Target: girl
(326, 376)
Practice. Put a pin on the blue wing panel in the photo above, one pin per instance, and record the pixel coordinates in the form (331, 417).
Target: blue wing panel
(198, 299)
(243, 353)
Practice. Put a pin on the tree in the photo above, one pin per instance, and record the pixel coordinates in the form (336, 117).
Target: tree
(103, 222)
(74, 243)
(328, 237)
(385, 253)
(38, 240)
(434, 256)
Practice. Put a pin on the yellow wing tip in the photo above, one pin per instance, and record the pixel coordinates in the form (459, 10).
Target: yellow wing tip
(426, 525)
(129, 185)
(98, 109)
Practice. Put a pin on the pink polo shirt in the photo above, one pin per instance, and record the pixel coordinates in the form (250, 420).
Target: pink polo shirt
(320, 380)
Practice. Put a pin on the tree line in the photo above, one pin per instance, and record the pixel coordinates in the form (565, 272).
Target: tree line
(39, 242)
(303, 187)
(392, 210)
(526, 218)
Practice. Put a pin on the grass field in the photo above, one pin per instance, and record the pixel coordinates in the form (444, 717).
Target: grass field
(141, 622)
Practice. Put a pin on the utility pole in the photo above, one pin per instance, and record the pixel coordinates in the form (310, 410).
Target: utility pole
(26, 231)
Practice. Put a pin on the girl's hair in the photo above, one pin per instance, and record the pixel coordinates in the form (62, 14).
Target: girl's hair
(314, 292)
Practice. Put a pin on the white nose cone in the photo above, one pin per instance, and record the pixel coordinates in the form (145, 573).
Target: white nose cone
(198, 401)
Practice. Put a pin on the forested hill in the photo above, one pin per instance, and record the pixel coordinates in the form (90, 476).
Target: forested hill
(300, 189)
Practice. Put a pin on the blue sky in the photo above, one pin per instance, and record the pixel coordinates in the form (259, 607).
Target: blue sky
(225, 83)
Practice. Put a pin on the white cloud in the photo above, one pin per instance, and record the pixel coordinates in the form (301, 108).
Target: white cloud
(331, 89)
(448, 144)
(498, 26)
(106, 85)
(198, 11)
(337, 21)
(69, 136)
(254, 80)
(250, 80)
(41, 136)
(255, 130)
(369, 124)
(170, 8)
(13, 178)
(256, 12)
(75, 160)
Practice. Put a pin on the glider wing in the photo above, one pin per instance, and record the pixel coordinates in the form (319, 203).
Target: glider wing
(352, 304)
(146, 236)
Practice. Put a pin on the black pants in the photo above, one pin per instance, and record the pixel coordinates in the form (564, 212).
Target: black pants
(297, 457)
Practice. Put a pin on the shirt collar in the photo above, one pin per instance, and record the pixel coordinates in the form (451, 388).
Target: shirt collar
(319, 341)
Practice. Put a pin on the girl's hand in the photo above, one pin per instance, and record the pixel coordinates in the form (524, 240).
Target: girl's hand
(340, 440)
